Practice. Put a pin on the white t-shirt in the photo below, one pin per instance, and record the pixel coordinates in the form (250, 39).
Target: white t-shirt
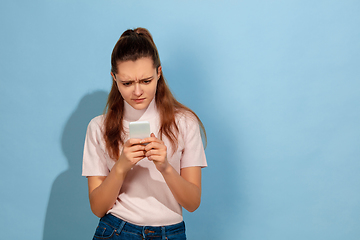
(145, 199)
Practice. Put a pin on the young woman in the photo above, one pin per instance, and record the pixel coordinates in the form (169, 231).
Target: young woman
(139, 186)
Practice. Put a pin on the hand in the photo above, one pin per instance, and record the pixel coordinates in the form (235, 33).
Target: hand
(156, 151)
(133, 151)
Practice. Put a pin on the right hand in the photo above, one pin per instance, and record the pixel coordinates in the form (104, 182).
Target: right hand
(133, 151)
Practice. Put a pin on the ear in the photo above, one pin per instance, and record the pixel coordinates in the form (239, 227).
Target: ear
(113, 76)
(159, 72)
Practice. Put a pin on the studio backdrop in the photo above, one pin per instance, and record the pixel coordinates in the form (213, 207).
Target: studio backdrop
(276, 84)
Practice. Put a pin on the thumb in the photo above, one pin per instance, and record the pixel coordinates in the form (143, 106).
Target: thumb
(152, 135)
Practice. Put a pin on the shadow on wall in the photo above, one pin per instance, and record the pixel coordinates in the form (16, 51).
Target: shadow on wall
(68, 214)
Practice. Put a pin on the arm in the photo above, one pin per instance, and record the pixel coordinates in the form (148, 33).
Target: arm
(185, 187)
(104, 190)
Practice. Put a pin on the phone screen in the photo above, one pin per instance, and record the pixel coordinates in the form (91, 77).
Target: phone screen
(139, 130)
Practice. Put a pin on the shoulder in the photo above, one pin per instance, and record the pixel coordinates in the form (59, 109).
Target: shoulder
(186, 119)
(95, 130)
(98, 119)
(96, 124)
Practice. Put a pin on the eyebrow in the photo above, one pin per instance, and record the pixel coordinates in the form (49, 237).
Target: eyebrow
(143, 79)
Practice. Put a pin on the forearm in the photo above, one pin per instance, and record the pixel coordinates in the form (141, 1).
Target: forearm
(103, 197)
(187, 194)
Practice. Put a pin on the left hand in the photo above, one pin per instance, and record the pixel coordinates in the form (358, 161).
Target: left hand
(156, 151)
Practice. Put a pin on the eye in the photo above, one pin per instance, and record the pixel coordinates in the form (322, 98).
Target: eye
(126, 84)
(146, 81)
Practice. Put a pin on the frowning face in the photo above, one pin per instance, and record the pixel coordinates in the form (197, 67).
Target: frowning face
(137, 81)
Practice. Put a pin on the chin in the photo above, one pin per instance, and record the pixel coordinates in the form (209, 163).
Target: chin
(140, 106)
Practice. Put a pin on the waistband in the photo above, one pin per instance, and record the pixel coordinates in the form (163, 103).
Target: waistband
(122, 225)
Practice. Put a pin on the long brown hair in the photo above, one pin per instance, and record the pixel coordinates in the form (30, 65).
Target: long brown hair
(133, 45)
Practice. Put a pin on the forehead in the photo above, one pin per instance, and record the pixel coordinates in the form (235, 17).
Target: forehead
(133, 70)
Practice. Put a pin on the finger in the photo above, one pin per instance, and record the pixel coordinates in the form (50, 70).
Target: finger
(132, 141)
(155, 145)
(137, 153)
(137, 147)
(149, 153)
(129, 151)
(148, 140)
(155, 153)
(156, 158)
(152, 138)
(138, 157)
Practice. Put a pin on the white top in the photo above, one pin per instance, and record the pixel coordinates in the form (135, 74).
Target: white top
(145, 199)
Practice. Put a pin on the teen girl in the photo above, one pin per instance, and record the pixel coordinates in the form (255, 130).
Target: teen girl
(139, 186)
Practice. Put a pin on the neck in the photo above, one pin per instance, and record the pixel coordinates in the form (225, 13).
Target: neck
(131, 114)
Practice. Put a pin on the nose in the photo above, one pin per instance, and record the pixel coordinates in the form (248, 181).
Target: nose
(138, 90)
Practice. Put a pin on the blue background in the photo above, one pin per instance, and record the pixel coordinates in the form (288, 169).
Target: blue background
(276, 84)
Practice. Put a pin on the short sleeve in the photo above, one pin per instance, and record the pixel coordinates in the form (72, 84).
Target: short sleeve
(193, 150)
(94, 157)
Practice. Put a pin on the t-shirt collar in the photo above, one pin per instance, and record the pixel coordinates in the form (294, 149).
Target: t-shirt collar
(131, 114)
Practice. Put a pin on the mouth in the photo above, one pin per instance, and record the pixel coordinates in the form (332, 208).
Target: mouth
(139, 100)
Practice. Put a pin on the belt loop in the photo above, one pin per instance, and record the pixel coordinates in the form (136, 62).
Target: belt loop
(122, 224)
(163, 233)
(143, 232)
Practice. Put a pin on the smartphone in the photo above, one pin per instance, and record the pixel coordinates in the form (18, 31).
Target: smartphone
(139, 130)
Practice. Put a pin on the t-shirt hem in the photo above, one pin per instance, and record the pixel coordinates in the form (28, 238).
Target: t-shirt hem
(93, 175)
